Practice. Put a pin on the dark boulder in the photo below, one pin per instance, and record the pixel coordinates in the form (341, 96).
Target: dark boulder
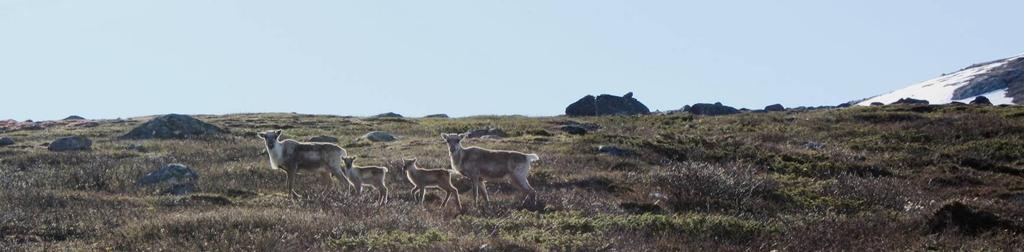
(492, 132)
(5, 141)
(910, 101)
(845, 105)
(876, 104)
(323, 139)
(436, 116)
(74, 117)
(573, 129)
(774, 108)
(178, 178)
(711, 109)
(605, 104)
(981, 100)
(173, 126)
(73, 143)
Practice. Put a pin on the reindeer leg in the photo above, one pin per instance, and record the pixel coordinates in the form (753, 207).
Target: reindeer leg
(519, 178)
(476, 190)
(291, 181)
(483, 187)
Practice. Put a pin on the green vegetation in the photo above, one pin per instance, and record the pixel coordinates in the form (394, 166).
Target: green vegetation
(868, 178)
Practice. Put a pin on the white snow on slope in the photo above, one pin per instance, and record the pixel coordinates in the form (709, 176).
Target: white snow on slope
(940, 90)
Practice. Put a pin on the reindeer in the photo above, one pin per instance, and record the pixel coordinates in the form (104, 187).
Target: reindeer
(481, 164)
(422, 179)
(294, 156)
(372, 176)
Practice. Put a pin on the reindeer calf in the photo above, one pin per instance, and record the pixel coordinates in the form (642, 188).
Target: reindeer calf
(422, 179)
(372, 176)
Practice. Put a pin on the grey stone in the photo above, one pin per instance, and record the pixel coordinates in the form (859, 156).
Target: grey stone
(378, 136)
(5, 141)
(180, 179)
(72, 143)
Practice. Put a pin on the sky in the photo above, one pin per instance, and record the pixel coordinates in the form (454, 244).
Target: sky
(126, 58)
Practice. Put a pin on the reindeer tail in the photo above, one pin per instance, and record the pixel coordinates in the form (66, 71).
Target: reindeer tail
(532, 158)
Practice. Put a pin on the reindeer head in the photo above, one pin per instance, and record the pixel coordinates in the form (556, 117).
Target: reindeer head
(270, 137)
(408, 164)
(348, 161)
(454, 140)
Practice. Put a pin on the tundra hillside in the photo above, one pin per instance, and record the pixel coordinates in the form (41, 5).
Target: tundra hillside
(866, 178)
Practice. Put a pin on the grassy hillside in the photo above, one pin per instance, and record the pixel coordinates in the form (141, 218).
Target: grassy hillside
(873, 178)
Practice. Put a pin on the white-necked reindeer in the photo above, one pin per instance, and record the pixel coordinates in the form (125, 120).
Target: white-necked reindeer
(372, 176)
(481, 164)
(422, 179)
(294, 156)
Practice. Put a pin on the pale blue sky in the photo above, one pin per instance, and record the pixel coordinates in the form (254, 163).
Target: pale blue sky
(123, 58)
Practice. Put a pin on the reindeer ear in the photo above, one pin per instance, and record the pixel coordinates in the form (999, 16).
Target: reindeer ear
(444, 136)
(260, 134)
(463, 136)
(278, 132)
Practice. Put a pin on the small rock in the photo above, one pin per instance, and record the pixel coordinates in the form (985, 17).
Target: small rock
(74, 117)
(378, 136)
(323, 139)
(72, 143)
(614, 151)
(981, 100)
(436, 116)
(389, 115)
(180, 178)
(956, 103)
(478, 133)
(876, 104)
(774, 108)
(573, 129)
(814, 145)
(136, 147)
(5, 141)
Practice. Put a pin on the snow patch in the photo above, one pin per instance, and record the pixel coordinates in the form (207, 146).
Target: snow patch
(940, 90)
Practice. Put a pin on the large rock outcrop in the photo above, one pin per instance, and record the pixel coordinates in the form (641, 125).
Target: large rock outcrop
(605, 104)
(174, 126)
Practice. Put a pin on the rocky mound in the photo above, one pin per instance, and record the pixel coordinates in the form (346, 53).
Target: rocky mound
(173, 126)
